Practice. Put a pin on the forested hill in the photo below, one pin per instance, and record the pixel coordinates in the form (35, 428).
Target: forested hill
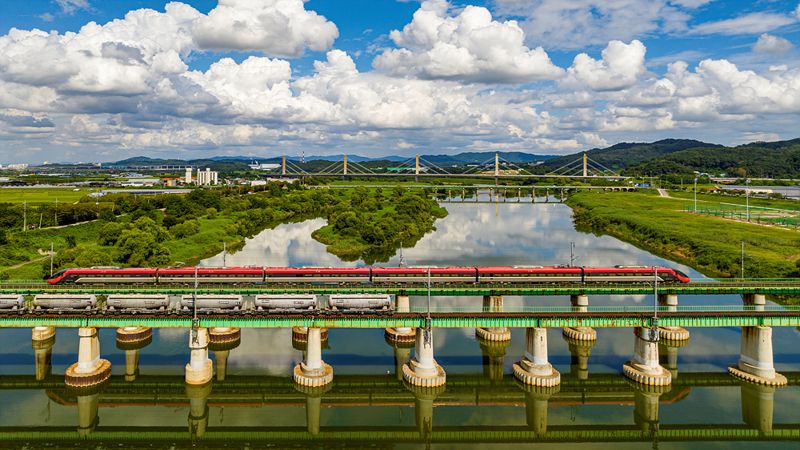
(757, 159)
(627, 154)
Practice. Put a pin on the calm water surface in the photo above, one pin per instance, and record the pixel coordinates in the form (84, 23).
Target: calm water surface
(481, 401)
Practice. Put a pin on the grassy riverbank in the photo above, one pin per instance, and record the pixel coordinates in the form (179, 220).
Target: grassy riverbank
(709, 244)
(368, 224)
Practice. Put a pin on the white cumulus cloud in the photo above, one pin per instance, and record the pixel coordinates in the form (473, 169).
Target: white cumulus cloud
(753, 23)
(620, 67)
(467, 46)
(768, 43)
(275, 27)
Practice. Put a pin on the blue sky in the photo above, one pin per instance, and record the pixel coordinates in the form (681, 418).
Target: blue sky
(380, 77)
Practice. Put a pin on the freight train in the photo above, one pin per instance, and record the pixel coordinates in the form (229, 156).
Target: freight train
(206, 304)
(390, 276)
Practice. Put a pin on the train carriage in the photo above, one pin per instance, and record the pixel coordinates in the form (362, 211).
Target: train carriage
(632, 274)
(231, 275)
(406, 275)
(317, 275)
(530, 274)
(104, 275)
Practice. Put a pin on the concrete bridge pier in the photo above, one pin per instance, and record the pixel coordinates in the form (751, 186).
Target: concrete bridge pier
(221, 351)
(537, 400)
(644, 367)
(43, 333)
(756, 358)
(423, 370)
(313, 371)
(402, 355)
(132, 340)
(87, 412)
(198, 408)
(580, 303)
(300, 334)
(43, 354)
(534, 368)
(493, 303)
(493, 358)
(579, 357)
(671, 333)
(221, 335)
(758, 405)
(199, 370)
(668, 355)
(90, 370)
(401, 334)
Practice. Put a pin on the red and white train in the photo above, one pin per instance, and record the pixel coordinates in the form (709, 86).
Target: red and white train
(374, 275)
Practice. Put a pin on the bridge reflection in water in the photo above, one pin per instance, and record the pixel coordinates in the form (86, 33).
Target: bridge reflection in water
(493, 388)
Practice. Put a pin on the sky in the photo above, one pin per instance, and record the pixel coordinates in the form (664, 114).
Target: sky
(93, 81)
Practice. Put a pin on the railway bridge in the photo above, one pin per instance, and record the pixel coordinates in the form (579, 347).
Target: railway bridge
(664, 323)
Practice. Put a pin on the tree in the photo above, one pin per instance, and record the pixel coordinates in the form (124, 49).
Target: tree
(185, 229)
(71, 242)
(109, 233)
(139, 248)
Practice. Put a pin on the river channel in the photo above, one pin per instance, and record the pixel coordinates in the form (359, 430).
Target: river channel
(596, 407)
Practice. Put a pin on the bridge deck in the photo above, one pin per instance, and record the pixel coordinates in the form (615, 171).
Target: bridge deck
(601, 317)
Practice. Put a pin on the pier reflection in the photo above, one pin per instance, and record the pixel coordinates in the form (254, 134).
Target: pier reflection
(531, 405)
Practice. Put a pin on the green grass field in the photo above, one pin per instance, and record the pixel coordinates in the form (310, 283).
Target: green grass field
(43, 195)
(710, 244)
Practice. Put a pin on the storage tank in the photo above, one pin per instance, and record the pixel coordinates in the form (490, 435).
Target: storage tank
(12, 301)
(286, 302)
(137, 301)
(360, 302)
(64, 301)
(213, 301)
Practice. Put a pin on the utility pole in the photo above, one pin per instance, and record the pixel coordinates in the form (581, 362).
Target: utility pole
(25, 216)
(695, 195)
(55, 215)
(224, 253)
(747, 197)
(572, 254)
(51, 259)
(742, 260)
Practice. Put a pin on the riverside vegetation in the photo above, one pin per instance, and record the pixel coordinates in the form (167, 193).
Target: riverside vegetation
(161, 230)
(709, 244)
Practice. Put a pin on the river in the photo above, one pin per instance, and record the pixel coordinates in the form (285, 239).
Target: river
(479, 399)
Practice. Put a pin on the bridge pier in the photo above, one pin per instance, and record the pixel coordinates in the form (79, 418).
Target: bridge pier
(402, 356)
(580, 303)
(221, 335)
(423, 370)
(43, 333)
(534, 368)
(90, 370)
(644, 367)
(300, 334)
(198, 408)
(668, 355)
(758, 405)
(537, 401)
(493, 358)
(579, 357)
(199, 370)
(493, 303)
(313, 371)
(671, 333)
(132, 340)
(756, 358)
(401, 334)
(43, 354)
(221, 351)
(88, 404)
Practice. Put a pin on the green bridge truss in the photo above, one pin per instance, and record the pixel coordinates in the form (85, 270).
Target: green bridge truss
(599, 317)
(776, 287)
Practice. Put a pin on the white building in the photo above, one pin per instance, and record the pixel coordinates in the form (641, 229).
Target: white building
(206, 177)
(188, 179)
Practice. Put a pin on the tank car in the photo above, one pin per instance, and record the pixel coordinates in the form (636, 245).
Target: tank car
(64, 302)
(137, 301)
(213, 302)
(360, 302)
(286, 302)
(12, 301)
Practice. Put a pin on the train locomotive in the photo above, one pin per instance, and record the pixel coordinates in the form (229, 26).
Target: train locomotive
(385, 276)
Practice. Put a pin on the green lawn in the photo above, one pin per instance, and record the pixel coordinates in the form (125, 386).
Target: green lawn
(793, 205)
(709, 244)
(43, 195)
